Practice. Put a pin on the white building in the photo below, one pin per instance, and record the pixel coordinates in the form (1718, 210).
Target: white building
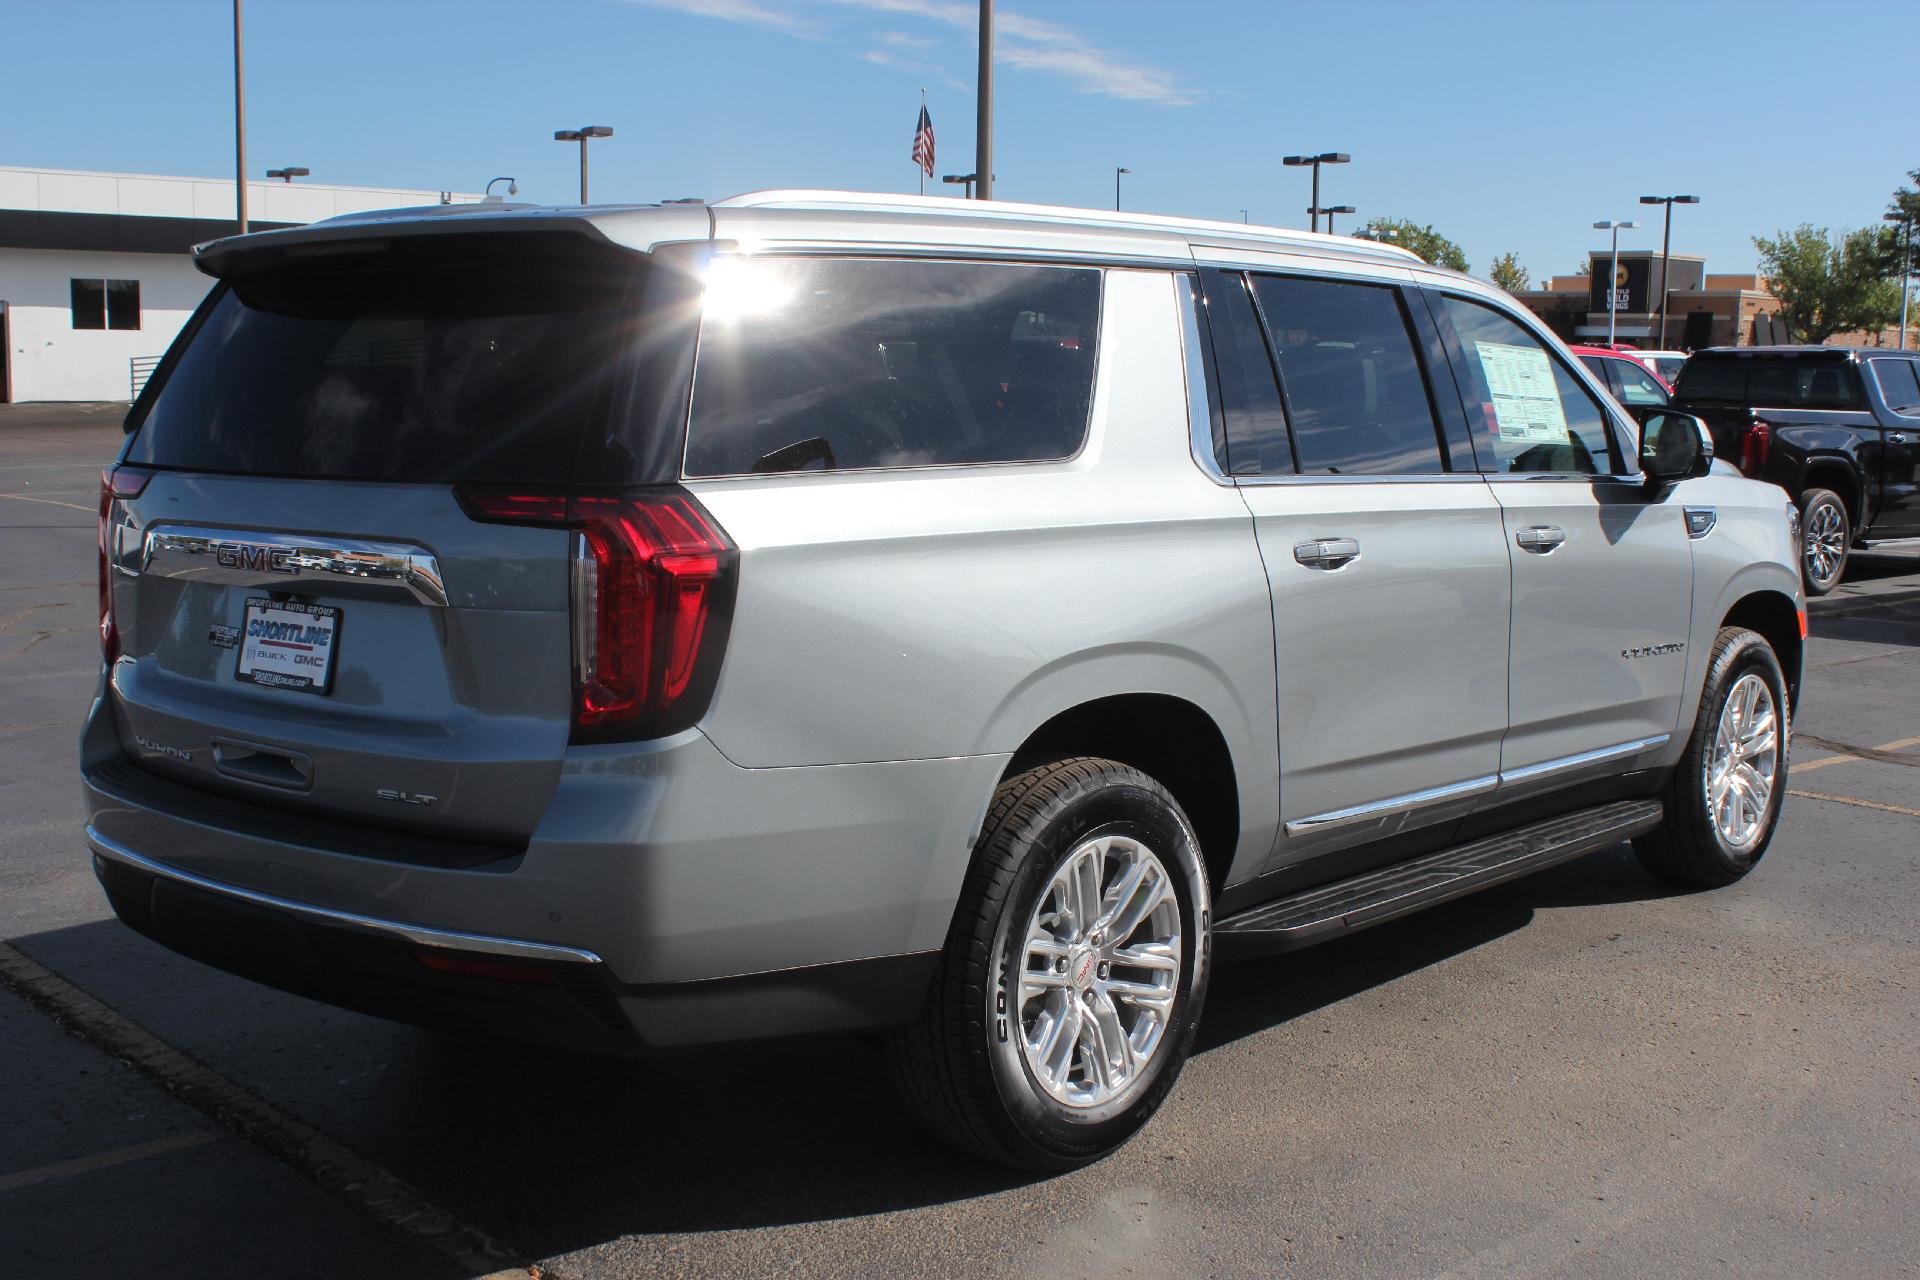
(94, 275)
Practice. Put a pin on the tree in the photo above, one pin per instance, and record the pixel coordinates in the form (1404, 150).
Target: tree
(1509, 274)
(1828, 285)
(1906, 204)
(1585, 268)
(1424, 241)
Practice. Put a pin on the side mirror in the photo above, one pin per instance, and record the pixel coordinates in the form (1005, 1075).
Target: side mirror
(1674, 447)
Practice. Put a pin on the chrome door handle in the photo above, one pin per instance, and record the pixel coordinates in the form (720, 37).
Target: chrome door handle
(1540, 538)
(1327, 553)
(1897, 437)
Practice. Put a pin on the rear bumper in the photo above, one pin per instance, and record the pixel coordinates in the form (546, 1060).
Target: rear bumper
(674, 897)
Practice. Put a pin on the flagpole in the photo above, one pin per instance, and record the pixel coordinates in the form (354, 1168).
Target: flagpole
(922, 172)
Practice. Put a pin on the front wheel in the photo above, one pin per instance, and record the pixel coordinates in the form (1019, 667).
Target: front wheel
(1827, 537)
(1074, 971)
(1724, 798)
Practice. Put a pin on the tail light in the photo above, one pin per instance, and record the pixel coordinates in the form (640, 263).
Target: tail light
(115, 483)
(1756, 438)
(654, 578)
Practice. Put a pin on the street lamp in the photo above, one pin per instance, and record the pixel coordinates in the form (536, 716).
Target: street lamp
(580, 136)
(289, 173)
(1666, 248)
(1243, 215)
(1613, 272)
(1330, 210)
(1116, 186)
(959, 178)
(513, 187)
(1906, 265)
(1325, 157)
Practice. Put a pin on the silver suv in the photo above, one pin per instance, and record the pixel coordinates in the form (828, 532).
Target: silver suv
(633, 628)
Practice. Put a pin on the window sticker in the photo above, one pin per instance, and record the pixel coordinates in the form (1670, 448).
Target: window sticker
(1526, 401)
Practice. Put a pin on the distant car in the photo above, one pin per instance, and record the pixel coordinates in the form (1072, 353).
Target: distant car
(1665, 363)
(1632, 383)
(1838, 428)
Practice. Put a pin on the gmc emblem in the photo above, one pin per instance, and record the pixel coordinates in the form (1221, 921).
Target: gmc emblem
(254, 557)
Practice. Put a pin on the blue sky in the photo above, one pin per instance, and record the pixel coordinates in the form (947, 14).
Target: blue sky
(1509, 126)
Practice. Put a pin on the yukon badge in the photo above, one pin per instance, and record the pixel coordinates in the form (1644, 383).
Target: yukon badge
(1653, 650)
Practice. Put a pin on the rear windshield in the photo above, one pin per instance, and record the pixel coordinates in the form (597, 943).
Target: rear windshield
(470, 357)
(1772, 383)
(837, 364)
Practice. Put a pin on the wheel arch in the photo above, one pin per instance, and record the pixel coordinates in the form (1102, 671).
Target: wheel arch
(1775, 616)
(1170, 739)
(1838, 472)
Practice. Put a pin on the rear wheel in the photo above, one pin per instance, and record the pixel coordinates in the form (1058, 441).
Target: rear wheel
(1827, 534)
(1074, 971)
(1725, 795)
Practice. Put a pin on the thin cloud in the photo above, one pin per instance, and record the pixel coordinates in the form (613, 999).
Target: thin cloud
(901, 40)
(744, 12)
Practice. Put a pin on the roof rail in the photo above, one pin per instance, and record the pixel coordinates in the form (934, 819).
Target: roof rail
(947, 206)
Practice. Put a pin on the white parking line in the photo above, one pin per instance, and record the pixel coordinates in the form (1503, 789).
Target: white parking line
(371, 1190)
(104, 1160)
(1824, 761)
(51, 502)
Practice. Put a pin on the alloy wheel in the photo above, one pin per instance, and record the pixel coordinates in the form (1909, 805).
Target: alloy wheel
(1744, 765)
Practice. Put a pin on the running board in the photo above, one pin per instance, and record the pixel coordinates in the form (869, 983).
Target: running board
(1347, 905)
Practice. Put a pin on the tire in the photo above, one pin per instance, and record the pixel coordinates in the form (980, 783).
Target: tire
(1696, 845)
(1826, 540)
(967, 1068)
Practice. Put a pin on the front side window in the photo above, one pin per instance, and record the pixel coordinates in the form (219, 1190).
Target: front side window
(1637, 386)
(1899, 385)
(823, 364)
(1356, 396)
(1528, 410)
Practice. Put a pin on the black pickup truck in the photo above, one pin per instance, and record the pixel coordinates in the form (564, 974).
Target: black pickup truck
(1836, 427)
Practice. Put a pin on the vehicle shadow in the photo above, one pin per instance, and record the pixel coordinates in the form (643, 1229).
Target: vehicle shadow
(556, 1153)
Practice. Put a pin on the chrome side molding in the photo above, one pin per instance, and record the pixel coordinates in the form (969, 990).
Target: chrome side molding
(1405, 804)
(419, 935)
(250, 558)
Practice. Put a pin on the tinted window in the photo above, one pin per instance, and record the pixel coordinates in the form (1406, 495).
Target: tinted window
(1637, 386)
(1899, 385)
(1523, 401)
(1355, 394)
(89, 303)
(1777, 382)
(825, 364)
(1597, 366)
(123, 304)
(460, 358)
(1248, 393)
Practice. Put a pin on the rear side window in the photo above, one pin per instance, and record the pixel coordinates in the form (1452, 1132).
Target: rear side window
(1523, 402)
(1355, 393)
(1777, 383)
(823, 364)
(1899, 385)
(457, 358)
(1249, 395)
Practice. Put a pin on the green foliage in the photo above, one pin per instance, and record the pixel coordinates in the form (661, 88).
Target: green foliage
(1425, 241)
(1828, 286)
(1906, 204)
(1509, 274)
(1585, 268)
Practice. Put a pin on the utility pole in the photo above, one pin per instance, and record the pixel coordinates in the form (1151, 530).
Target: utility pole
(983, 108)
(1666, 255)
(239, 126)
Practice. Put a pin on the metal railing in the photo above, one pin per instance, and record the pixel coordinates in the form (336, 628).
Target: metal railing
(139, 369)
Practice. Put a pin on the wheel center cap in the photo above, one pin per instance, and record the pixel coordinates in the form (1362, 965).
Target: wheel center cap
(1080, 968)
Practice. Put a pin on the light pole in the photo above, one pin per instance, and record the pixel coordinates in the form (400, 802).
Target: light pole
(513, 187)
(1613, 272)
(958, 179)
(1116, 186)
(580, 136)
(1330, 210)
(239, 126)
(1906, 265)
(1666, 253)
(983, 107)
(1325, 157)
(288, 174)
(1243, 215)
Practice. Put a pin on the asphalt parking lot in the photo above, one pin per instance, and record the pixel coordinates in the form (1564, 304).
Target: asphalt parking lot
(1583, 1073)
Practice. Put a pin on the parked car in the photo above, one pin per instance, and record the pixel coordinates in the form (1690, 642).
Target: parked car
(637, 628)
(1666, 364)
(1632, 383)
(1837, 428)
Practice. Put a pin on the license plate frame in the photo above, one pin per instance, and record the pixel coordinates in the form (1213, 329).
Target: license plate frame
(274, 661)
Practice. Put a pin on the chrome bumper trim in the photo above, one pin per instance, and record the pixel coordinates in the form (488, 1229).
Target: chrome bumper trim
(419, 935)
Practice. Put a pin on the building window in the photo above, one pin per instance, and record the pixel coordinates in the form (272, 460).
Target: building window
(106, 304)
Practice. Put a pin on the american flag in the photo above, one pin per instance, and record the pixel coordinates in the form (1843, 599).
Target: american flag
(923, 143)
